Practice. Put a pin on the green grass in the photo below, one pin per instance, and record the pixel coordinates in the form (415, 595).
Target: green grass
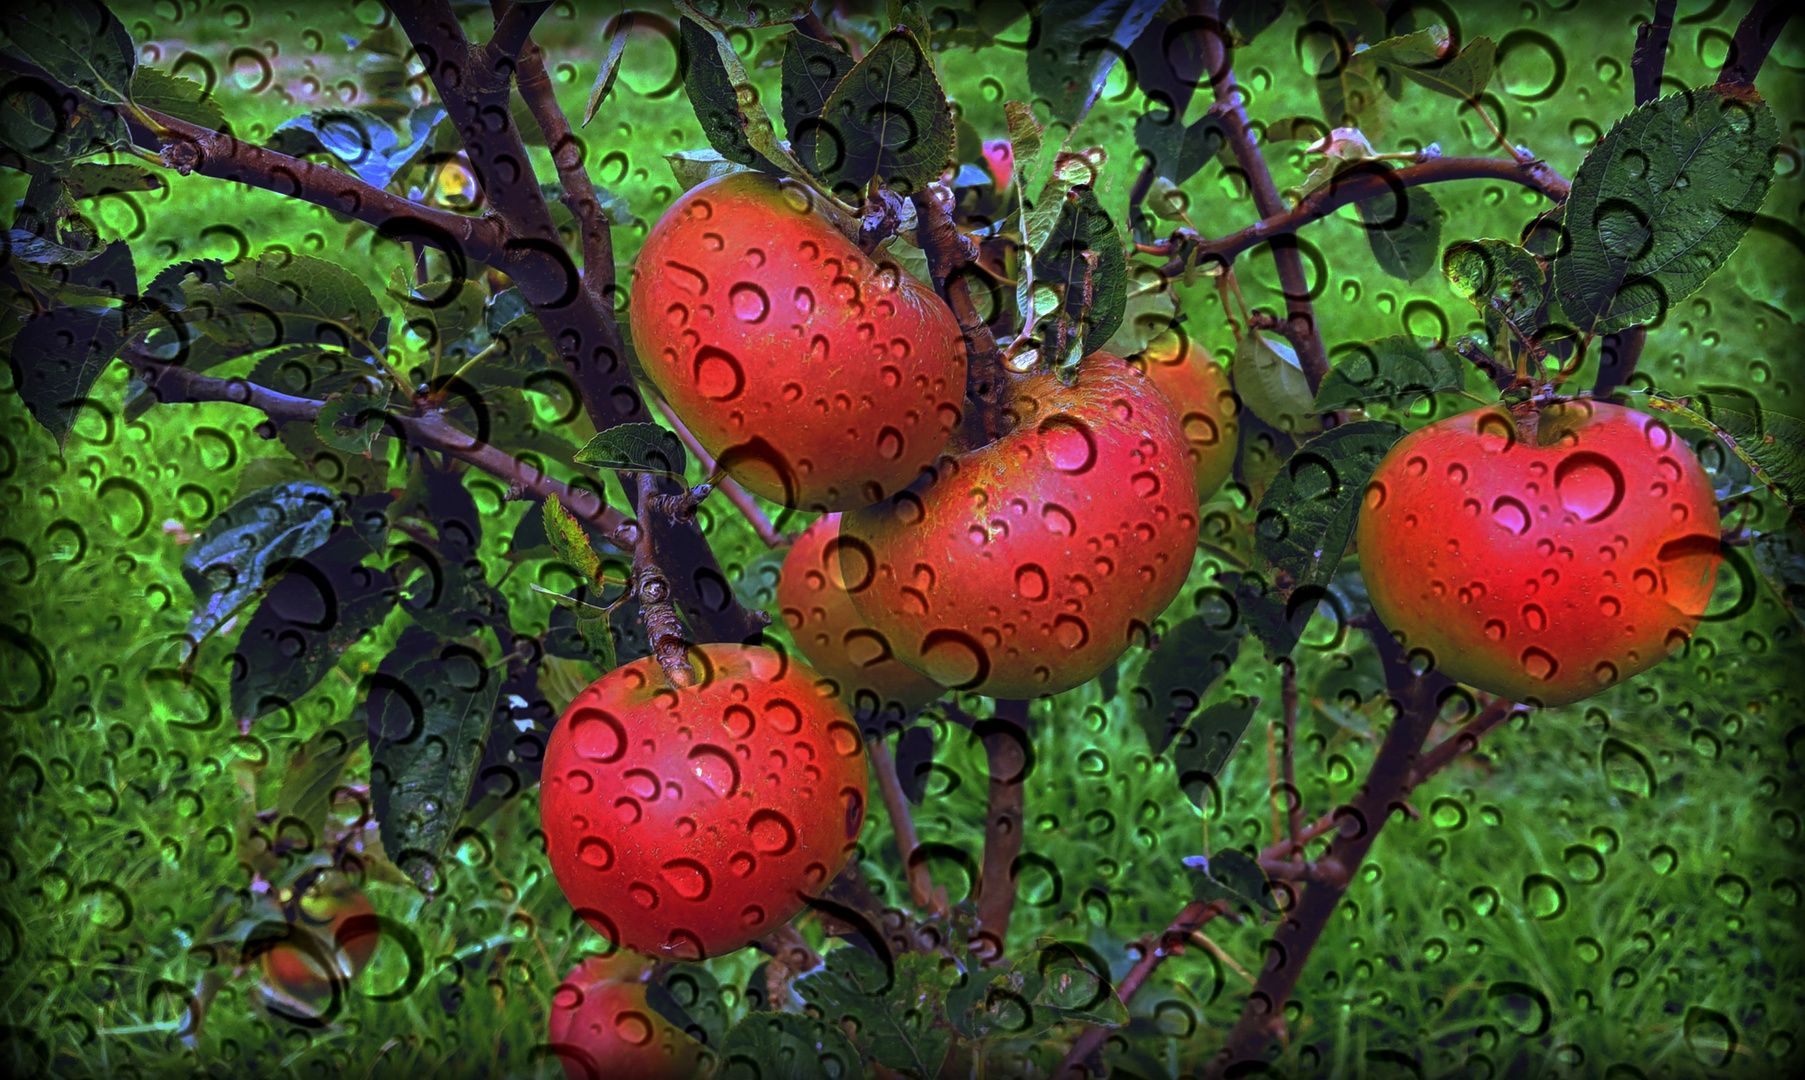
(1678, 906)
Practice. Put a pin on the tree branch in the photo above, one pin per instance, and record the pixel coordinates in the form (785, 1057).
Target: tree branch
(1464, 741)
(567, 155)
(896, 805)
(174, 385)
(1154, 951)
(664, 630)
(1294, 800)
(513, 26)
(1650, 57)
(1301, 314)
(1387, 784)
(189, 148)
(950, 252)
(1755, 36)
(1006, 750)
(1618, 355)
(729, 488)
(1356, 185)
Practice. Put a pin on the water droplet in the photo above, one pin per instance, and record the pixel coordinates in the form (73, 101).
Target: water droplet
(742, 863)
(749, 302)
(1584, 864)
(1068, 444)
(688, 878)
(595, 852)
(597, 735)
(1590, 485)
(1071, 632)
(716, 769)
(1535, 618)
(1710, 1036)
(1448, 813)
(783, 716)
(1375, 495)
(889, 443)
(1511, 513)
(1495, 629)
(643, 895)
(1539, 663)
(771, 832)
(1031, 582)
(633, 1028)
(1059, 520)
(718, 374)
(1664, 859)
(1484, 900)
(1146, 484)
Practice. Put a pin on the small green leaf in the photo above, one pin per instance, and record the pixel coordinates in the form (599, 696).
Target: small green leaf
(429, 713)
(894, 1011)
(1308, 514)
(1271, 382)
(1232, 874)
(689, 996)
(692, 167)
(253, 540)
(1025, 140)
(1084, 227)
(78, 42)
(1190, 658)
(811, 71)
(1355, 93)
(571, 544)
(1203, 749)
(1771, 444)
(751, 14)
(888, 121)
(766, 1045)
(58, 130)
(1078, 44)
(314, 770)
(91, 181)
(1464, 76)
(1406, 242)
(726, 115)
(175, 96)
(1661, 202)
(635, 448)
(351, 419)
(1392, 371)
(604, 79)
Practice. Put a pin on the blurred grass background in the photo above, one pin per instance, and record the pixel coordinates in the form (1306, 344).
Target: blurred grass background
(1615, 885)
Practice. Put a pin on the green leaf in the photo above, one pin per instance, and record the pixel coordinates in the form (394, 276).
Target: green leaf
(689, 996)
(1463, 76)
(57, 356)
(1079, 43)
(175, 96)
(635, 448)
(1191, 656)
(894, 1012)
(253, 540)
(445, 311)
(888, 120)
(725, 114)
(1232, 874)
(429, 713)
(314, 770)
(768, 1045)
(1250, 18)
(1392, 371)
(1356, 93)
(1025, 140)
(692, 167)
(811, 71)
(1057, 982)
(570, 543)
(1771, 444)
(1405, 243)
(284, 299)
(362, 140)
(56, 130)
(1203, 750)
(751, 14)
(1084, 227)
(610, 69)
(1779, 556)
(91, 181)
(1661, 202)
(79, 43)
(1271, 382)
(351, 419)
(1508, 285)
(1308, 513)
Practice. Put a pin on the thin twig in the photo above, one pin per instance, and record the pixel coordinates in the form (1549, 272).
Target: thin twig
(1650, 57)
(902, 824)
(1464, 741)
(1154, 951)
(729, 488)
(948, 252)
(593, 227)
(1356, 185)
(1755, 36)
(1294, 801)
(1301, 314)
(1005, 738)
(174, 385)
(664, 630)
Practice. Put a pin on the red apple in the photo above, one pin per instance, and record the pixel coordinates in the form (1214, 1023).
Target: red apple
(1026, 566)
(601, 1026)
(1541, 573)
(819, 378)
(1198, 388)
(335, 916)
(689, 822)
(837, 640)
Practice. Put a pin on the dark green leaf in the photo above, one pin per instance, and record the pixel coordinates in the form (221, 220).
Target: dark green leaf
(692, 167)
(1771, 444)
(429, 714)
(283, 299)
(767, 1045)
(175, 96)
(1271, 382)
(79, 43)
(1308, 514)
(1203, 749)
(1250, 18)
(690, 998)
(1779, 556)
(362, 140)
(635, 448)
(314, 770)
(887, 120)
(56, 128)
(1356, 20)
(1661, 202)
(1405, 239)
(894, 1011)
(90, 181)
(1463, 76)
(1054, 983)
(1084, 227)
(811, 71)
(1079, 42)
(56, 357)
(1392, 371)
(716, 102)
(351, 419)
(445, 311)
(1508, 285)
(166, 288)
(1190, 658)
(255, 538)
(1232, 874)
(610, 69)
(752, 14)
